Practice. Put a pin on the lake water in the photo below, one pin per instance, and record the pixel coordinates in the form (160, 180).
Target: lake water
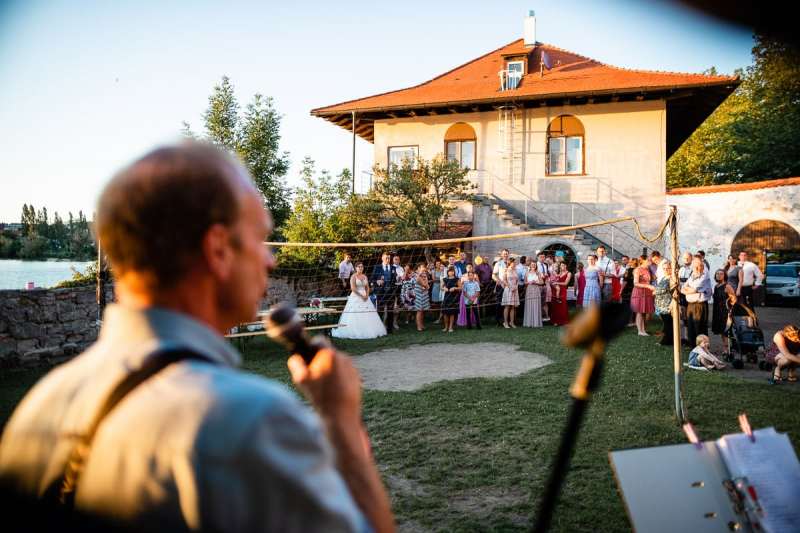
(14, 274)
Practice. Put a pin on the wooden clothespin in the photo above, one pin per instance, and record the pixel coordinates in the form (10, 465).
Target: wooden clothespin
(691, 435)
(744, 423)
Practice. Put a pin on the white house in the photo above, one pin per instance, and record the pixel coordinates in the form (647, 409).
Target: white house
(551, 138)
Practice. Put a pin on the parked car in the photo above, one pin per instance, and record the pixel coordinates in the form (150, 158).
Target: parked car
(783, 281)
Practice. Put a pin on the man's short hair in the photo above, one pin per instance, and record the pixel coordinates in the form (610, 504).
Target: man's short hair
(153, 215)
(601, 247)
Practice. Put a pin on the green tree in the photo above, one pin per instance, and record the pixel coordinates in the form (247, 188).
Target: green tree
(753, 135)
(28, 219)
(255, 137)
(417, 197)
(325, 211)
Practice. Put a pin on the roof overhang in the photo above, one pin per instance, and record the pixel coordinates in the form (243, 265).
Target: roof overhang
(687, 107)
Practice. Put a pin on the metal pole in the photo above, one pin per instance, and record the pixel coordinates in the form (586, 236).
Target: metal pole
(680, 409)
(354, 153)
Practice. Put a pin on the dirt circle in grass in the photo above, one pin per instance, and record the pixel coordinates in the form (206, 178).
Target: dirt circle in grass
(413, 367)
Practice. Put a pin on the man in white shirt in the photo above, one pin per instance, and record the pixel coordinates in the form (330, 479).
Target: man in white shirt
(698, 291)
(752, 278)
(499, 278)
(606, 267)
(400, 274)
(345, 271)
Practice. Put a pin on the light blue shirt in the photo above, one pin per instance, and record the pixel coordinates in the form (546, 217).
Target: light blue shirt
(200, 445)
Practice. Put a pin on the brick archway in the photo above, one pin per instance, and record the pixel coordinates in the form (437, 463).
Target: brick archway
(762, 235)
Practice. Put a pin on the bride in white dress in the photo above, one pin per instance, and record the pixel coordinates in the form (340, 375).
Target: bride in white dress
(359, 319)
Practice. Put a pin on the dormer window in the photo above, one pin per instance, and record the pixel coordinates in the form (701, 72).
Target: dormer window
(511, 77)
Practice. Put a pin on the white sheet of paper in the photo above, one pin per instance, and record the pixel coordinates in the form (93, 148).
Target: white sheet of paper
(772, 468)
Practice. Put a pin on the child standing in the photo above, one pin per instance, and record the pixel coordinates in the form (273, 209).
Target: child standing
(470, 292)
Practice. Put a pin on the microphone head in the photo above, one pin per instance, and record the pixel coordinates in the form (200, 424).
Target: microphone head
(284, 325)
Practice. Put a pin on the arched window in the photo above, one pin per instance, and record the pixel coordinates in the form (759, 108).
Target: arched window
(765, 235)
(459, 144)
(565, 146)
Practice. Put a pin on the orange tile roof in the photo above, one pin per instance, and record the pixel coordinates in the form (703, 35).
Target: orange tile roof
(477, 81)
(735, 187)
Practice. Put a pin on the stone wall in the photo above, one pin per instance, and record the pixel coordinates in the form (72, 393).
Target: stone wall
(710, 217)
(46, 326)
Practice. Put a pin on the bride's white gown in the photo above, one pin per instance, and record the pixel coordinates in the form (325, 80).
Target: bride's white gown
(359, 318)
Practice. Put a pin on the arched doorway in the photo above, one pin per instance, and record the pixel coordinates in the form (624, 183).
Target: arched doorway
(776, 237)
(557, 248)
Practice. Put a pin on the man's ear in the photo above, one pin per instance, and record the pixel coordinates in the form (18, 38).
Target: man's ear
(218, 252)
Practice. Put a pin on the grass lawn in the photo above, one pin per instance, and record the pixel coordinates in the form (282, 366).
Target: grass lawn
(474, 454)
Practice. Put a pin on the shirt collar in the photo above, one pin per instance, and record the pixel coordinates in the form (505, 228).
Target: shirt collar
(160, 328)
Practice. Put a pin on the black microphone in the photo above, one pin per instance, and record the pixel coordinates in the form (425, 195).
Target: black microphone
(284, 325)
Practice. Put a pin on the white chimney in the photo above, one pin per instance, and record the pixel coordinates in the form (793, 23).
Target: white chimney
(529, 29)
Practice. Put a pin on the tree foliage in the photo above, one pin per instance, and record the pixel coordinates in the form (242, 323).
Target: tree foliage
(755, 134)
(417, 197)
(325, 211)
(254, 136)
(40, 239)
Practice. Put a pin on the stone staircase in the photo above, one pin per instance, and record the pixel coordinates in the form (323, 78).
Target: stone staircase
(495, 216)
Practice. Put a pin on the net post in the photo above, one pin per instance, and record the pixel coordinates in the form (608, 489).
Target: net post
(680, 410)
(354, 154)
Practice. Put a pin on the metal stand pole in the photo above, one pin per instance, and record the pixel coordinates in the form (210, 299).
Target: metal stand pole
(680, 409)
(354, 153)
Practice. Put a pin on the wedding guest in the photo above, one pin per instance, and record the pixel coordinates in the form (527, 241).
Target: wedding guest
(451, 262)
(698, 291)
(751, 279)
(543, 268)
(663, 301)
(627, 284)
(436, 287)
(499, 278)
(655, 260)
(787, 342)
(559, 314)
(510, 299)
(400, 278)
(483, 269)
(733, 273)
(461, 264)
(580, 285)
(683, 275)
(616, 282)
(345, 271)
(450, 301)
(470, 293)
(702, 255)
(642, 302)
(522, 269)
(407, 293)
(594, 280)
(724, 298)
(606, 267)
(421, 296)
(533, 299)
(701, 358)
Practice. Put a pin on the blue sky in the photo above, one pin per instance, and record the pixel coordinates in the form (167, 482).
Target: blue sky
(87, 86)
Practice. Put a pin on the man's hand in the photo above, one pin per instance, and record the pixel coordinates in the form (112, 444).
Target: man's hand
(332, 384)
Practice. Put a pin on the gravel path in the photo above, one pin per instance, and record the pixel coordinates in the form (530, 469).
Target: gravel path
(418, 365)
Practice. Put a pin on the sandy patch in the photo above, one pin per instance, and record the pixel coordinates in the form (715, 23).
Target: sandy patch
(413, 367)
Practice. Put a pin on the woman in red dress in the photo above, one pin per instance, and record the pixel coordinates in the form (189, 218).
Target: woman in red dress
(559, 316)
(580, 284)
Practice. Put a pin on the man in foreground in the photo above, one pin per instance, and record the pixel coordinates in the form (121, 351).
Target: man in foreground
(198, 445)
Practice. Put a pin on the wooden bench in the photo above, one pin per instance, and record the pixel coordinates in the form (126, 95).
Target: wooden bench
(243, 337)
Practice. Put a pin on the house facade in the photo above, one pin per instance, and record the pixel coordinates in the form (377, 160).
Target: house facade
(550, 138)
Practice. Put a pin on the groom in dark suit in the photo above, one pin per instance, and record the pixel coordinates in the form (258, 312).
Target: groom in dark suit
(383, 281)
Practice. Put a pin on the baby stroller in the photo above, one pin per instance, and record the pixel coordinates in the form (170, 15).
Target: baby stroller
(745, 338)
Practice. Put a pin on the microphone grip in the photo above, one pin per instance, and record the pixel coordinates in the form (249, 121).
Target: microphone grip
(302, 345)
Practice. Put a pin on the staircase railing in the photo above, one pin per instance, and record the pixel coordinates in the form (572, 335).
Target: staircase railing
(559, 213)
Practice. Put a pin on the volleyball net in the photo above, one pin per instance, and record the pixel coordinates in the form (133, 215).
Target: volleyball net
(319, 277)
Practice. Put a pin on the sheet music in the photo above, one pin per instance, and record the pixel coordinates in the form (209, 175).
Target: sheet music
(772, 468)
